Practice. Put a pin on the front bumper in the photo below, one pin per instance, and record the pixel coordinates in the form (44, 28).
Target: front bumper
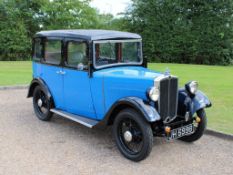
(160, 129)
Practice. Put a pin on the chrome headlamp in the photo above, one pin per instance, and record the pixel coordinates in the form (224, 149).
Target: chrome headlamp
(192, 87)
(153, 93)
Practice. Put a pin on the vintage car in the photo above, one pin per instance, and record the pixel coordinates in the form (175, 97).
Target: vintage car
(99, 78)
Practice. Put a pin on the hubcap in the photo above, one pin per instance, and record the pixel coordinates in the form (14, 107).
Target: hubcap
(128, 136)
(39, 103)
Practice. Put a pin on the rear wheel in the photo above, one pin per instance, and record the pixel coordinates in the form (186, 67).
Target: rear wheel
(133, 135)
(41, 104)
(199, 128)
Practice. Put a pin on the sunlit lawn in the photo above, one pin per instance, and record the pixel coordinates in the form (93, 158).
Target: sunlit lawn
(15, 73)
(215, 81)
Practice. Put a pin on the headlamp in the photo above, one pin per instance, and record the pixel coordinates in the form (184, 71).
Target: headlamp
(192, 87)
(153, 94)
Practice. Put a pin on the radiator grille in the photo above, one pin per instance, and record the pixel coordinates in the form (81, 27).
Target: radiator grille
(168, 98)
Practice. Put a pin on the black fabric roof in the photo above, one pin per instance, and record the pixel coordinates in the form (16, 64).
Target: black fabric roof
(89, 34)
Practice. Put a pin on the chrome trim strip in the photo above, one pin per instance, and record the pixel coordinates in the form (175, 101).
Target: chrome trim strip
(84, 121)
(117, 41)
(157, 85)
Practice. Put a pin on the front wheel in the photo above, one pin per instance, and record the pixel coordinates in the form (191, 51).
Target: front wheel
(133, 135)
(199, 129)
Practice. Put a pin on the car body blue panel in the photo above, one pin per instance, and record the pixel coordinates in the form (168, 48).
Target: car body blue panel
(92, 97)
(199, 101)
(77, 93)
(53, 80)
(192, 104)
(97, 92)
(147, 110)
(112, 84)
(36, 70)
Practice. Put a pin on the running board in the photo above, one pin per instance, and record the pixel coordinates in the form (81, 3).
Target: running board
(84, 121)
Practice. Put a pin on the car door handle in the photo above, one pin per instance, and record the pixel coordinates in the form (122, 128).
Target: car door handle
(62, 72)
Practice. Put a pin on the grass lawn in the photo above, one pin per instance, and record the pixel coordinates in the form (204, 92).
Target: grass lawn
(215, 81)
(15, 72)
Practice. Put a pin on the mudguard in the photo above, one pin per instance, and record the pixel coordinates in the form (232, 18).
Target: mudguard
(192, 104)
(148, 111)
(35, 82)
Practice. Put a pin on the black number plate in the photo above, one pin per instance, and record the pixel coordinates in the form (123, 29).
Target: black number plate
(180, 132)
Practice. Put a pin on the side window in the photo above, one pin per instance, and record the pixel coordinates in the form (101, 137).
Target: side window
(77, 55)
(38, 47)
(53, 52)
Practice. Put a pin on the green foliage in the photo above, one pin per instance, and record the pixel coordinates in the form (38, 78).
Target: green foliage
(184, 31)
(13, 35)
(21, 19)
(69, 14)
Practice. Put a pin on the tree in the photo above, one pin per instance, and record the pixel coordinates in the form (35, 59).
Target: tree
(69, 14)
(21, 19)
(184, 31)
(15, 43)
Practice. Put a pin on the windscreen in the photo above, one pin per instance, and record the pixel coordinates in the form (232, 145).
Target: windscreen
(108, 53)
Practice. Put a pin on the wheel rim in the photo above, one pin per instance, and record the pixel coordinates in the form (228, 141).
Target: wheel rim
(130, 136)
(41, 102)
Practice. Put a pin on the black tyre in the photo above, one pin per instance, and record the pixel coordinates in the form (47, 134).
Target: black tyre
(133, 135)
(41, 104)
(199, 128)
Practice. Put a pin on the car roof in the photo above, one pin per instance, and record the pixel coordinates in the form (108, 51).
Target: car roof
(89, 34)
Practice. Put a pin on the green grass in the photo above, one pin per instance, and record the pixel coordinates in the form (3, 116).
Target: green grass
(15, 72)
(215, 81)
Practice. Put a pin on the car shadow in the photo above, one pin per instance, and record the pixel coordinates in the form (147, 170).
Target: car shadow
(103, 135)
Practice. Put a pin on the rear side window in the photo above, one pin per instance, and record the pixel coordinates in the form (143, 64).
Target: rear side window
(38, 49)
(53, 52)
(77, 55)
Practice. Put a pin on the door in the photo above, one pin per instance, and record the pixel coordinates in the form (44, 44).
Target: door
(51, 70)
(77, 93)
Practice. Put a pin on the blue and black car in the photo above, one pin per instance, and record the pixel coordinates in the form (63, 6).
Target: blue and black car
(99, 78)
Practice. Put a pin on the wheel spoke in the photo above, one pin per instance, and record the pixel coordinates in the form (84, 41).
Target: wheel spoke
(43, 107)
(41, 95)
(135, 145)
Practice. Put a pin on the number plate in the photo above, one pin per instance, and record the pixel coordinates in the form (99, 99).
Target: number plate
(180, 132)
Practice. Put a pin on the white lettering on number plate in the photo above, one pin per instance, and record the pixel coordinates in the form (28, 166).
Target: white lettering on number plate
(182, 131)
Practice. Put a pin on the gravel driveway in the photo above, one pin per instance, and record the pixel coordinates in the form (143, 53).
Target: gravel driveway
(30, 146)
